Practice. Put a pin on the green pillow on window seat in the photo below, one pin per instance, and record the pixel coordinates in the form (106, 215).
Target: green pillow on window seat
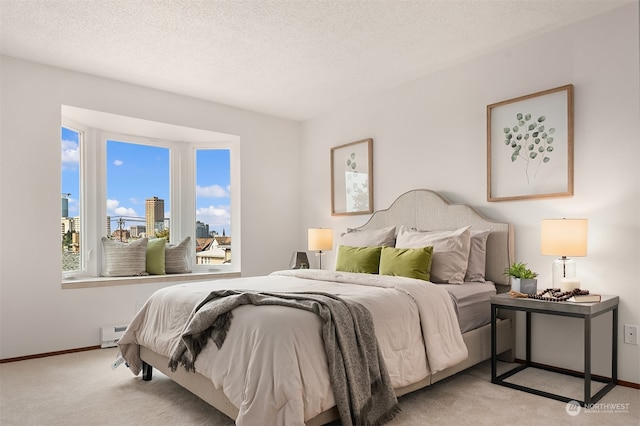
(155, 256)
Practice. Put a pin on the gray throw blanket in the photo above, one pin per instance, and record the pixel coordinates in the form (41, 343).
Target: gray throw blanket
(358, 374)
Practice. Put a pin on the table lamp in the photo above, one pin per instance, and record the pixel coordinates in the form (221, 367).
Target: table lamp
(320, 239)
(564, 237)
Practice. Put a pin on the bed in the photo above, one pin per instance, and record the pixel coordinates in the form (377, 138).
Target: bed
(238, 378)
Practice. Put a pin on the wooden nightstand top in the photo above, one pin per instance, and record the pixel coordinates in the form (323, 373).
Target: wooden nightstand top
(524, 303)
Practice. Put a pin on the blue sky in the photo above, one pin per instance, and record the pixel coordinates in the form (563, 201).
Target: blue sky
(137, 172)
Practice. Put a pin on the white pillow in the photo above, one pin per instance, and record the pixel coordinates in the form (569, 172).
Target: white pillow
(450, 251)
(477, 256)
(385, 237)
(176, 257)
(124, 259)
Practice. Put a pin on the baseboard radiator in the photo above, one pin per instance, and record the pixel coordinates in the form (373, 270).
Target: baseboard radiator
(111, 334)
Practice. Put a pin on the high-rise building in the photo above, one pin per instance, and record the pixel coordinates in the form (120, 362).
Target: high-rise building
(154, 215)
(65, 205)
(202, 230)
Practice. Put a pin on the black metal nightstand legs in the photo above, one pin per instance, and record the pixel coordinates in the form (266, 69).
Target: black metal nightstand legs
(586, 375)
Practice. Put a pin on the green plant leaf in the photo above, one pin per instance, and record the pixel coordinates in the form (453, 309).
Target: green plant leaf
(520, 270)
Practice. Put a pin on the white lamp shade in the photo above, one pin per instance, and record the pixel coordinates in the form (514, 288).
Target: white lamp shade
(564, 237)
(320, 239)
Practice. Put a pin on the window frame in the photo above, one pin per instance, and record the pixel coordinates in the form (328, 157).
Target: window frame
(93, 191)
(82, 132)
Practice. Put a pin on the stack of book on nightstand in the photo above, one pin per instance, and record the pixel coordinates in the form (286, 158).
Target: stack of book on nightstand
(584, 298)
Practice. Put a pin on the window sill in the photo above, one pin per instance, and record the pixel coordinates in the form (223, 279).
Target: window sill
(147, 279)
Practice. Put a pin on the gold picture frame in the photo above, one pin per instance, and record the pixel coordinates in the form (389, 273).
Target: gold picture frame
(530, 146)
(352, 178)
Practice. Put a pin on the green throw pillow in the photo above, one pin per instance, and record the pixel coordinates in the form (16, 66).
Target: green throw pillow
(358, 259)
(406, 262)
(155, 256)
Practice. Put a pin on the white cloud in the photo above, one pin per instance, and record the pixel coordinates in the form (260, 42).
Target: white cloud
(70, 154)
(114, 209)
(118, 162)
(212, 191)
(215, 216)
(125, 211)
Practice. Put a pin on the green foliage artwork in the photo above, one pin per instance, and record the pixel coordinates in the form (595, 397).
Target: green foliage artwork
(530, 142)
(351, 162)
(356, 186)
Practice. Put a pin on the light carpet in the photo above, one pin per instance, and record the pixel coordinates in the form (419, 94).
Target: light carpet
(82, 389)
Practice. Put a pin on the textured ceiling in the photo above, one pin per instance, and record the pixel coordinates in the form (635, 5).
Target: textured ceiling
(293, 59)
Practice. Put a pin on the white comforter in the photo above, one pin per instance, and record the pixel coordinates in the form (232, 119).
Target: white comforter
(273, 367)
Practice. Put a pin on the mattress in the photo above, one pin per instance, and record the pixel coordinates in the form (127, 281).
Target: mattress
(472, 303)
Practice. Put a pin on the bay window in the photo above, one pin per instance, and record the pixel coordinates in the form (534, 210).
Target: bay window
(125, 179)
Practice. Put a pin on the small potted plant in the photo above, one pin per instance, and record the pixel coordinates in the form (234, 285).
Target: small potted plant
(523, 279)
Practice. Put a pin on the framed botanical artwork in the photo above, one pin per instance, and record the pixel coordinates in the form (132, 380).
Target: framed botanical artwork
(530, 146)
(352, 178)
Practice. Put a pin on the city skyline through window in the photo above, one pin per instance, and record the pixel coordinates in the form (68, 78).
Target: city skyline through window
(139, 175)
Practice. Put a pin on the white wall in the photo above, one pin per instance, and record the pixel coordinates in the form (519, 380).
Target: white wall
(37, 316)
(431, 134)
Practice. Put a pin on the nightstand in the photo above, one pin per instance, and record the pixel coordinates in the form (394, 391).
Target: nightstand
(586, 311)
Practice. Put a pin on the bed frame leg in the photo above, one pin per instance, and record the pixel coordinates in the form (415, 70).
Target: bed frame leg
(147, 371)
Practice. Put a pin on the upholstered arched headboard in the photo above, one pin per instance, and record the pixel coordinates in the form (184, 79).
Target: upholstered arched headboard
(423, 209)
